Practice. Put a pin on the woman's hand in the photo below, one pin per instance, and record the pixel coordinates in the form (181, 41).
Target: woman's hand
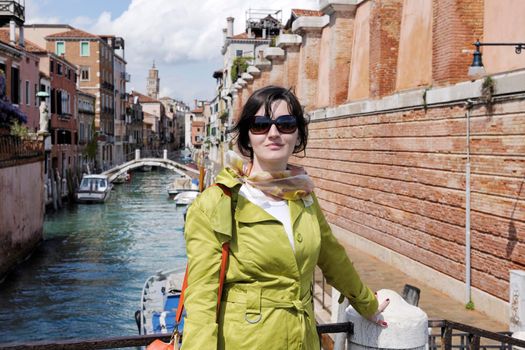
(377, 318)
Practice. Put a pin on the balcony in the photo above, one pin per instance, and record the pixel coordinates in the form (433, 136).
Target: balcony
(12, 10)
(125, 76)
(108, 86)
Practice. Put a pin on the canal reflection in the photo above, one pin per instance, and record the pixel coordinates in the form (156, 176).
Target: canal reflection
(85, 279)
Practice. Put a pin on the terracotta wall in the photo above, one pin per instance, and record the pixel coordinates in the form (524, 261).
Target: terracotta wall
(456, 25)
(414, 65)
(359, 81)
(22, 225)
(398, 179)
(323, 82)
(510, 12)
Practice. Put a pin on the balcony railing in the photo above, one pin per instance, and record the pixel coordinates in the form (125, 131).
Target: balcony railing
(108, 86)
(12, 9)
(15, 151)
(125, 76)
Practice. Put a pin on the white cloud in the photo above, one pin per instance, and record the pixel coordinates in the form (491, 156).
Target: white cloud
(33, 12)
(182, 31)
(177, 35)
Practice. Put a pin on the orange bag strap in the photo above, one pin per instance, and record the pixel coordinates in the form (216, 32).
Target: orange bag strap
(222, 273)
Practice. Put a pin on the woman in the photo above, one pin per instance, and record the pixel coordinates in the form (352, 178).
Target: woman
(277, 236)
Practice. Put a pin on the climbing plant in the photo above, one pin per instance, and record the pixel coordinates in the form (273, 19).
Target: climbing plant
(239, 66)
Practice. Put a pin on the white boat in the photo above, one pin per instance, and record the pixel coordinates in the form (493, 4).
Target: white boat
(159, 301)
(94, 189)
(146, 168)
(181, 184)
(122, 178)
(186, 197)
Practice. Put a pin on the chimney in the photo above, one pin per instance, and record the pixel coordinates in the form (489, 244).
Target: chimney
(12, 32)
(229, 32)
(21, 36)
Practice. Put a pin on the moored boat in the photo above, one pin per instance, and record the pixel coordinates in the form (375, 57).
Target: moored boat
(186, 197)
(159, 302)
(181, 184)
(94, 189)
(122, 178)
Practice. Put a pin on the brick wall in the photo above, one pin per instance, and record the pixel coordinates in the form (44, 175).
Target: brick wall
(385, 25)
(456, 25)
(398, 179)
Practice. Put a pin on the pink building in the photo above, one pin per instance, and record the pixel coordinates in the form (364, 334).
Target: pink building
(23, 78)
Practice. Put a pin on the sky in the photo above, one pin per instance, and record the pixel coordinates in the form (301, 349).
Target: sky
(183, 37)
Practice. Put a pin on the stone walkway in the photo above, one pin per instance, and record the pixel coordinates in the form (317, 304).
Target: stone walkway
(379, 275)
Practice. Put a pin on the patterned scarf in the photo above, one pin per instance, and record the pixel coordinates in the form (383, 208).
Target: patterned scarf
(291, 184)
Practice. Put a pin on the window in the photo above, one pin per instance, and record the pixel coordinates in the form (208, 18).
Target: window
(81, 133)
(51, 66)
(84, 73)
(36, 91)
(238, 53)
(60, 48)
(28, 102)
(59, 69)
(84, 48)
(15, 85)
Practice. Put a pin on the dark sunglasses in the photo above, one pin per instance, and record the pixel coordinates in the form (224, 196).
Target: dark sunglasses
(285, 124)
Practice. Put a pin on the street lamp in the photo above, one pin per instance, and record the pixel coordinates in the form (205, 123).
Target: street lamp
(476, 68)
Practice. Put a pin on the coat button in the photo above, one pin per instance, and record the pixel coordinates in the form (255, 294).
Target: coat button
(299, 237)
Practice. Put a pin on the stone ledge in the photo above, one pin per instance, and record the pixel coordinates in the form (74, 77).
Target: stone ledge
(273, 53)
(310, 23)
(254, 71)
(263, 65)
(247, 77)
(506, 83)
(285, 40)
(329, 7)
(241, 82)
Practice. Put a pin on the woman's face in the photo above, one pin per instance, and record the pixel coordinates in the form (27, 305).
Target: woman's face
(271, 150)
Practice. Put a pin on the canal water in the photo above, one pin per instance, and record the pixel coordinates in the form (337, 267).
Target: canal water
(85, 279)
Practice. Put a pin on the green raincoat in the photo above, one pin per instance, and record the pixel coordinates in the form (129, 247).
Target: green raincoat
(267, 298)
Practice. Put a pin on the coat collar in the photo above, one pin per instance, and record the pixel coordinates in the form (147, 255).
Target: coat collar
(245, 210)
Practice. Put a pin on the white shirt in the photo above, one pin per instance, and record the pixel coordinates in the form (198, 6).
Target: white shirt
(277, 209)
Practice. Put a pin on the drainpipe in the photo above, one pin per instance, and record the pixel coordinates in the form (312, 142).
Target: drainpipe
(469, 103)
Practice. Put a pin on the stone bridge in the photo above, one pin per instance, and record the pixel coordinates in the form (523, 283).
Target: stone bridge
(159, 162)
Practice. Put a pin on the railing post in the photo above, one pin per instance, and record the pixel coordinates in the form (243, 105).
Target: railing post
(165, 154)
(473, 342)
(137, 154)
(446, 338)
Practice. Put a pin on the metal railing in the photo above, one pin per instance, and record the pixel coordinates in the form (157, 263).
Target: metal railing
(140, 340)
(13, 150)
(322, 291)
(468, 338)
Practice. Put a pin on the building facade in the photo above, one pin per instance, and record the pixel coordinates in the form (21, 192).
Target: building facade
(87, 142)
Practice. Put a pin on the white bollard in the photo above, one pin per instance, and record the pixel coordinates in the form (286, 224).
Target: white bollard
(165, 155)
(517, 300)
(520, 336)
(407, 326)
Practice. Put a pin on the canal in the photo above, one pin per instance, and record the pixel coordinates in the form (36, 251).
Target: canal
(85, 279)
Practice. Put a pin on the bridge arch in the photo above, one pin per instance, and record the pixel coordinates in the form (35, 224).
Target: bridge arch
(158, 162)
